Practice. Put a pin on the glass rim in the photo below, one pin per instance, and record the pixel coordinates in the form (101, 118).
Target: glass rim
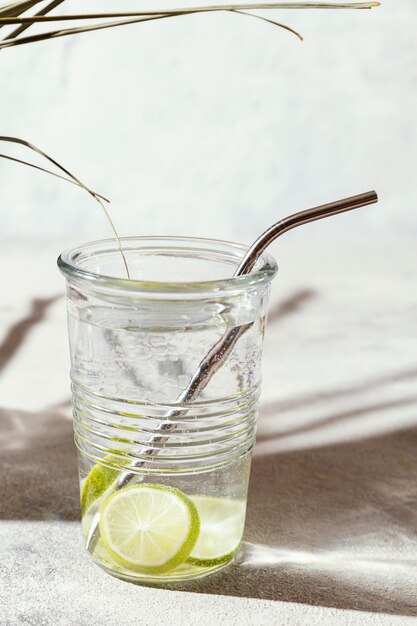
(67, 263)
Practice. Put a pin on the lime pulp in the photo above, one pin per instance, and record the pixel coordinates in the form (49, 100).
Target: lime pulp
(149, 529)
(222, 522)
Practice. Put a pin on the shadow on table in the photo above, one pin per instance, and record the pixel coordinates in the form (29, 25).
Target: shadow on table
(38, 464)
(321, 522)
(18, 332)
(37, 455)
(332, 526)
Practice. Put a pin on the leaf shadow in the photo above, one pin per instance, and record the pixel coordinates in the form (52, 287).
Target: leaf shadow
(19, 331)
(291, 305)
(320, 527)
(38, 465)
(37, 454)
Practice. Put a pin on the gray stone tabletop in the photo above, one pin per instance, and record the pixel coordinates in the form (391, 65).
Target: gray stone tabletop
(331, 534)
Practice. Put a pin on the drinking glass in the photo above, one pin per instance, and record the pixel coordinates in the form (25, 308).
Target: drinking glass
(135, 345)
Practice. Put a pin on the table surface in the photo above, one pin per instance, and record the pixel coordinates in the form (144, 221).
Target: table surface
(331, 534)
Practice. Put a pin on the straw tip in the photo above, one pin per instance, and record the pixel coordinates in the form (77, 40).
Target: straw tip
(371, 197)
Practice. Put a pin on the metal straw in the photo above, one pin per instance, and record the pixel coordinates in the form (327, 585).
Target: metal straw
(218, 354)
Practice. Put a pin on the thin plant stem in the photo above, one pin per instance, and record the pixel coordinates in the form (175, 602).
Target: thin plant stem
(202, 9)
(43, 169)
(265, 19)
(42, 13)
(77, 181)
(12, 16)
(42, 18)
(27, 21)
(7, 43)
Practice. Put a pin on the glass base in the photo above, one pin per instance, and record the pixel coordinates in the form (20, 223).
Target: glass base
(180, 574)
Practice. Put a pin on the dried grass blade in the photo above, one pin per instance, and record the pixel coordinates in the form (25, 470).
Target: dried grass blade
(92, 193)
(12, 9)
(23, 142)
(7, 43)
(265, 19)
(43, 169)
(42, 13)
(41, 17)
(145, 16)
(289, 6)
(29, 20)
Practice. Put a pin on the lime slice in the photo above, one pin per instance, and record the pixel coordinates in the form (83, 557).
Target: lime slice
(221, 528)
(97, 482)
(149, 528)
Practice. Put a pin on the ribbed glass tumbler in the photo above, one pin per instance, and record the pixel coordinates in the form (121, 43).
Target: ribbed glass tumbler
(172, 507)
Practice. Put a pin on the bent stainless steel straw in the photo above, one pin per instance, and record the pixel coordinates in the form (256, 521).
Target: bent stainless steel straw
(218, 354)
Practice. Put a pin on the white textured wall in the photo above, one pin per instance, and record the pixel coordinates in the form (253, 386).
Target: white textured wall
(217, 125)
